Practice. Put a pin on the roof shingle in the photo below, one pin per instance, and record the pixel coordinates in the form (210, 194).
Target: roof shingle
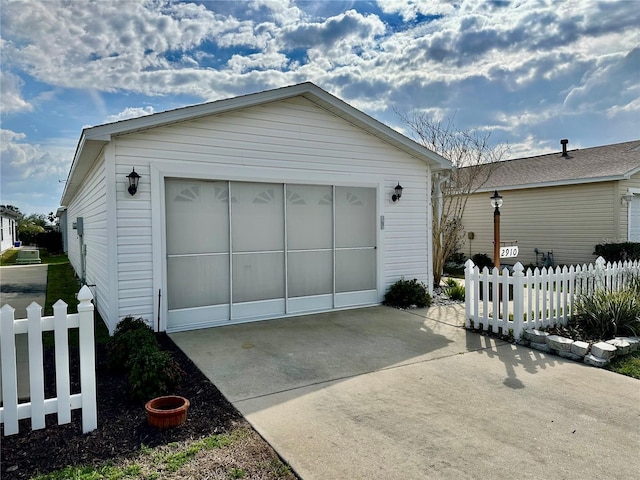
(607, 162)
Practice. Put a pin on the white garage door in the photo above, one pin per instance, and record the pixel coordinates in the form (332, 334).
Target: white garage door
(634, 219)
(259, 256)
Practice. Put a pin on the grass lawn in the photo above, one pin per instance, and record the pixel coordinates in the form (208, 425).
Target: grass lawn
(628, 365)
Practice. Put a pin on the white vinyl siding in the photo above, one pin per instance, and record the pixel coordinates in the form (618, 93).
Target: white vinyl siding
(134, 260)
(8, 226)
(90, 203)
(568, 220)
(291, 141)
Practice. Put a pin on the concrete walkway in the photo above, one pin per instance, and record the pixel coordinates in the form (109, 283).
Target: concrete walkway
(379, 393)
(19, 287)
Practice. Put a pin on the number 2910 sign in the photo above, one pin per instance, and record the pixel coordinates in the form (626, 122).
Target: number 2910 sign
(509, 252)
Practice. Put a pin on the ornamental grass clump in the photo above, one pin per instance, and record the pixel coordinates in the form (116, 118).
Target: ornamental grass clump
(408, 293)
(454, 290)
(606, 314)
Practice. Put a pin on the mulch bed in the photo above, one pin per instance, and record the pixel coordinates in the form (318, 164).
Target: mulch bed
(122, 426)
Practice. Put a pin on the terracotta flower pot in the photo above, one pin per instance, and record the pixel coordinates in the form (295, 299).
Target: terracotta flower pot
(167, 412)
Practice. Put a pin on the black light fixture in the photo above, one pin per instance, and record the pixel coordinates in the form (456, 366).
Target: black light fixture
(134, 178)
(398, 193)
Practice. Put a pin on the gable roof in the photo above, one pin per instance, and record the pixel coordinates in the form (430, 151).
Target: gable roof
(598, 164)
(93, 139)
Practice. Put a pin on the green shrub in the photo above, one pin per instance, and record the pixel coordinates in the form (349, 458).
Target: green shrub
(135, 352)
(615, 252)
(152, 373)
(607, 314)
(407, 293)
(455, 292)
(130, 335)
(482, 260)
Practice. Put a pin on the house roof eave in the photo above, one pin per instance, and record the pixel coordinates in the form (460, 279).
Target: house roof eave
(86, 153)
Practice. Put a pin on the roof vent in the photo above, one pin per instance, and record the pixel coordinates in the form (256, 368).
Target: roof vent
(564, 143)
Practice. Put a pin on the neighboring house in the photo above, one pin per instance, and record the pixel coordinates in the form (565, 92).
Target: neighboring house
(266, 205)
(565, 203)
(9, 228)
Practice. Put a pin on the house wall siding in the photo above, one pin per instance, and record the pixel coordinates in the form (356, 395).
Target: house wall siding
(568, 220)
(90, 203)
(8, 226)
(293, 141)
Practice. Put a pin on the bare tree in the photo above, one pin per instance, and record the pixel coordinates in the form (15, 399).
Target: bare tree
(474, 159)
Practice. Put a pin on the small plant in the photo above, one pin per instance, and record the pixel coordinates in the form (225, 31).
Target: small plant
(605, 314)
(482, 260)
(408, 293)
(454, 290)
(237, 473)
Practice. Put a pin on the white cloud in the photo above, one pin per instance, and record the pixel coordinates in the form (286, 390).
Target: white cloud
(130, 112)
(11, 88)
(409, 9)
(22, 160)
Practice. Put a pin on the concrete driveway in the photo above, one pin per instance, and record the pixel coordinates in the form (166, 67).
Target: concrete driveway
(379, 393)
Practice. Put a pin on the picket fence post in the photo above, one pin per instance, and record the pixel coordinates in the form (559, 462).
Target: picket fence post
(518, 299)
(470, 288)
(9, 370)
(87, 360)
(36, 366)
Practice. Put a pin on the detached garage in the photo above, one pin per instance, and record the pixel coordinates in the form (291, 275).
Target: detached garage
(273, 204)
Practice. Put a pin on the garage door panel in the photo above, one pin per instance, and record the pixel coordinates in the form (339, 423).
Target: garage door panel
(310, 273)
(208, 281)
(258, 276)
(197, 206)
(355, 270)
(257, 214)
(355, 217)
(309, 217)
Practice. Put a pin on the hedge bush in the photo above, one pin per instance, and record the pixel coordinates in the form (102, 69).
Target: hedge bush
(616, 252)
(408, 293)
(135, 352)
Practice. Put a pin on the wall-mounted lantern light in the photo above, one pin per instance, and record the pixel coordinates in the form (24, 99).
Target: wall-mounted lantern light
(398, 193)
(627, 198)
(134, 178)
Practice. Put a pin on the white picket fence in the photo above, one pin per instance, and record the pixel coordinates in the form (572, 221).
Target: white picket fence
(535, 298)
(37, 406)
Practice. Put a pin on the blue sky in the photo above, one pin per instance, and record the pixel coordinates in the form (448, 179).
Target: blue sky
(529, 72)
